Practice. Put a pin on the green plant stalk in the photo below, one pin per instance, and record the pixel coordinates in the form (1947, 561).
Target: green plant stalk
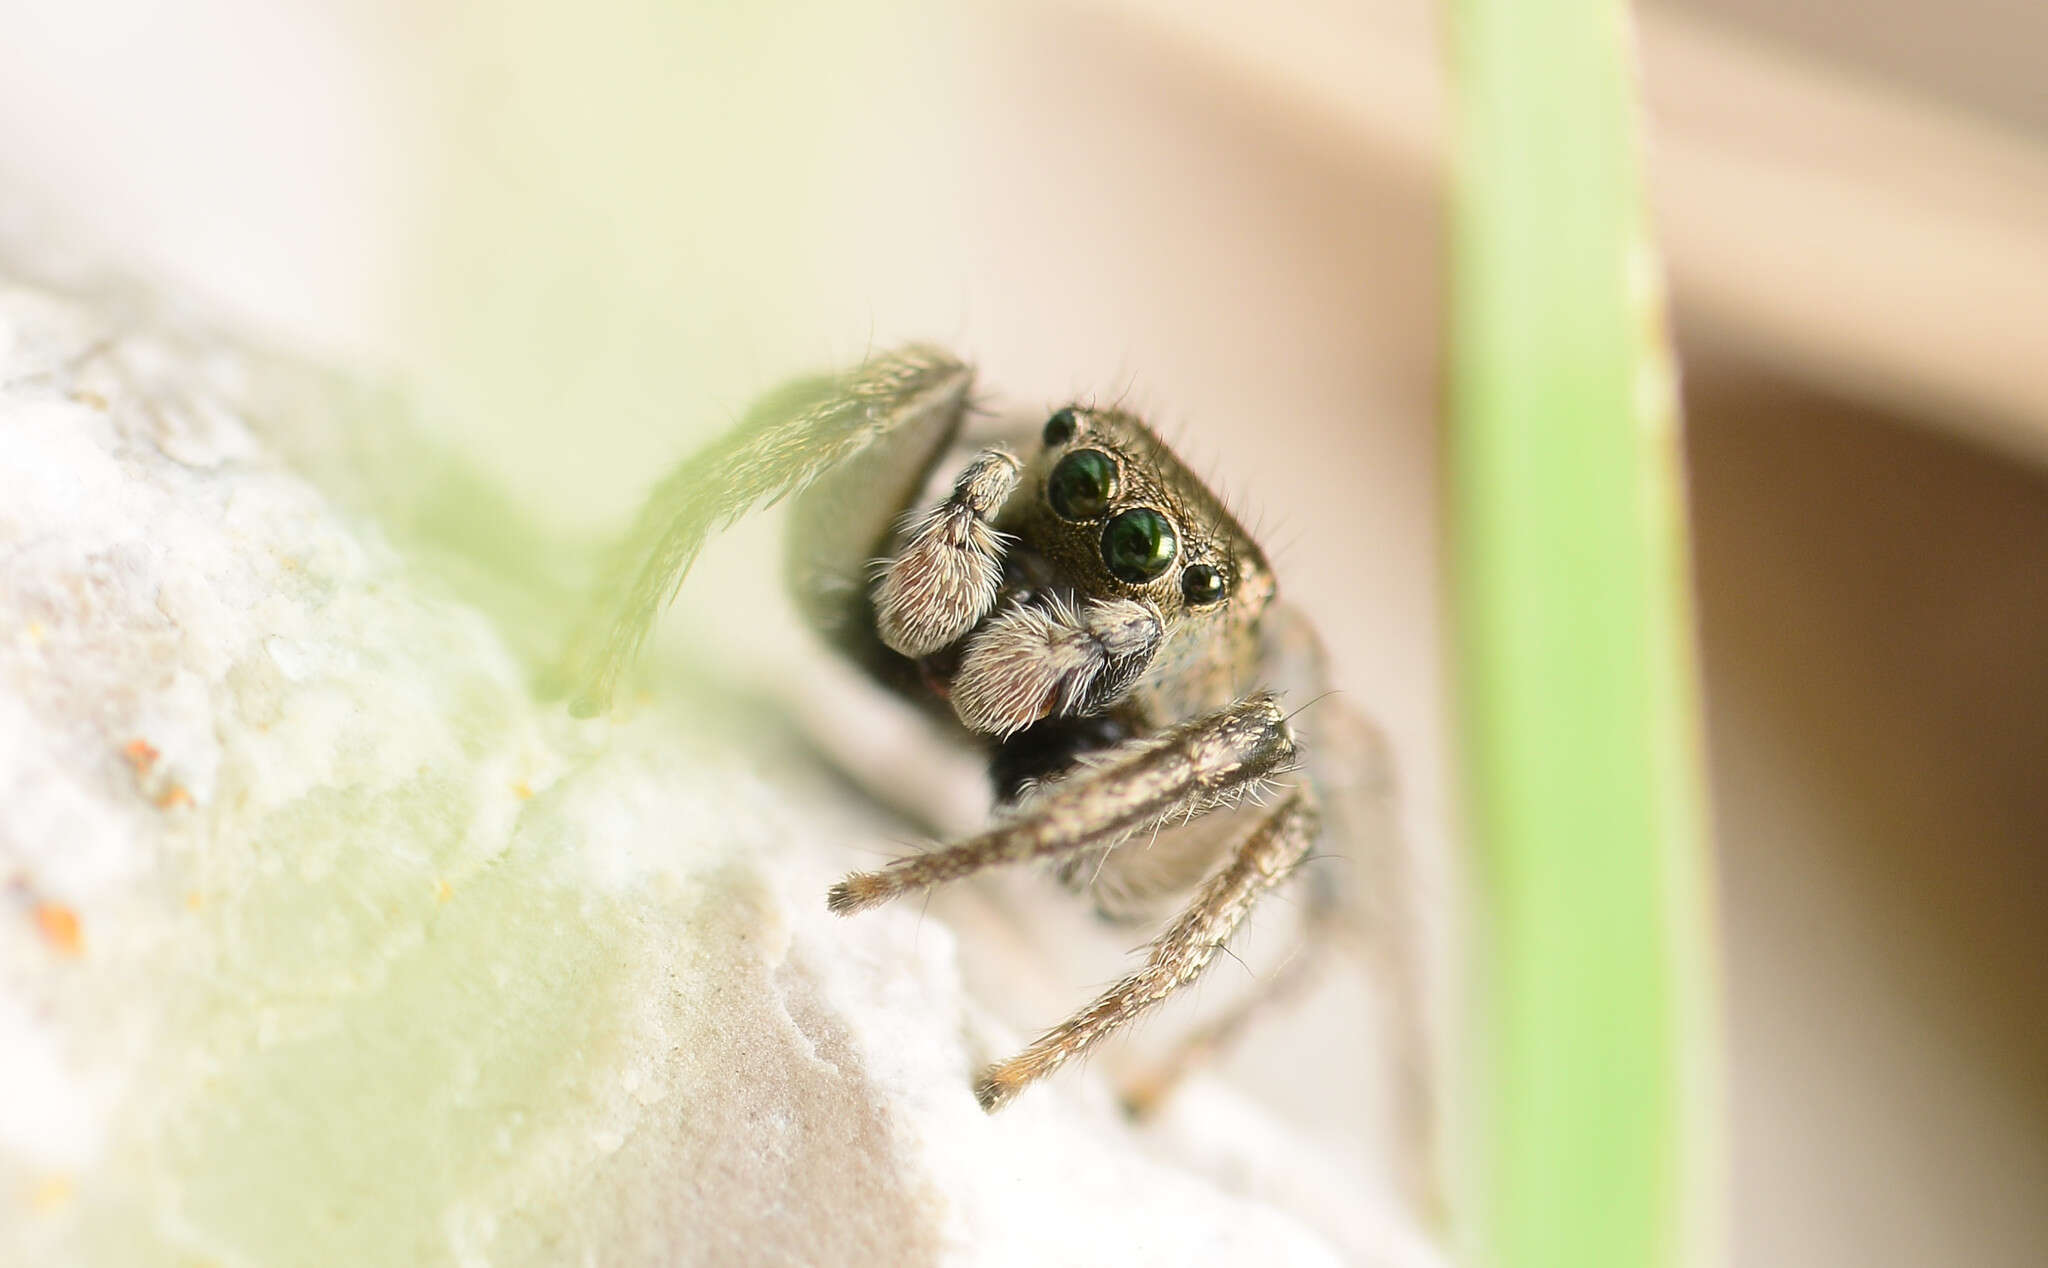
(1596, 1043)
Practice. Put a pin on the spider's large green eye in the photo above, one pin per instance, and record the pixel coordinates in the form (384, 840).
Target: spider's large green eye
(1081, 486)
(1139, 545)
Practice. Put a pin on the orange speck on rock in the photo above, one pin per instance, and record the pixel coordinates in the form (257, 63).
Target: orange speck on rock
(141, 754)
(173, 797)
(194, 900)
(443, 891)
(522, 790)
(60, 928)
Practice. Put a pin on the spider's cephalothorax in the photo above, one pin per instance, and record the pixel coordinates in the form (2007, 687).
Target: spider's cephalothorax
(1079, 603)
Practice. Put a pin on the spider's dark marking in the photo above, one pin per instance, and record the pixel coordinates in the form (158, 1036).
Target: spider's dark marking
(1048, 748)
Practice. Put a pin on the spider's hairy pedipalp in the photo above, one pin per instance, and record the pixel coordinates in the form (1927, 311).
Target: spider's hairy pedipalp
(1052, 658)
(946, 574)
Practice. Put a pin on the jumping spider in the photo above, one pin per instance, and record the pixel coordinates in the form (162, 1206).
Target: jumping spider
(1088, 611)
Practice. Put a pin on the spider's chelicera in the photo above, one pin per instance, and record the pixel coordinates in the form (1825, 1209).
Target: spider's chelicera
(1075, 601)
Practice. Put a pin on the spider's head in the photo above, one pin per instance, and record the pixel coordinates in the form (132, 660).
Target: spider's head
(1111, 513)
(1124, 579)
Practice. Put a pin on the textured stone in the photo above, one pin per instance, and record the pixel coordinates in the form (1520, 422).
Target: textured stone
(322, 943)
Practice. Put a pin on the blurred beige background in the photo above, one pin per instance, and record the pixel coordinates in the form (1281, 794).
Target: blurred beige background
(593, 232)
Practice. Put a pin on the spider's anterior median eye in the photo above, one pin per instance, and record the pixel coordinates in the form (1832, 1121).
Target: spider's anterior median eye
(1060, 428)
(1081, 486)
(1138, 545)
(1200, 585)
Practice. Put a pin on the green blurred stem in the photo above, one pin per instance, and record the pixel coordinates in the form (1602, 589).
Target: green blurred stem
(1597, 1037)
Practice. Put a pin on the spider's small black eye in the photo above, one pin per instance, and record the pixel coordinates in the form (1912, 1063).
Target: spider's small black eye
(1060, 428)
(1139, 545)
(1081, 486)
(1200, 585)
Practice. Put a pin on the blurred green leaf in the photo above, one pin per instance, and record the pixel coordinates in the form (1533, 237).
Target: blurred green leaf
(1597, 1036)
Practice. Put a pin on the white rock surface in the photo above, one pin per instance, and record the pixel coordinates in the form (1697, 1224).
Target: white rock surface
(322, 943)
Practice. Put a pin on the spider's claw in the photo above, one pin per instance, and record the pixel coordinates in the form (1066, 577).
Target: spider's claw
(859, 892)
(999, 1085)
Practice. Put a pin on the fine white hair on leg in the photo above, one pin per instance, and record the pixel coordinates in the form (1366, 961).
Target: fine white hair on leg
(1038, 660)
(1266, 856)
(945, 577)
(1191, 769)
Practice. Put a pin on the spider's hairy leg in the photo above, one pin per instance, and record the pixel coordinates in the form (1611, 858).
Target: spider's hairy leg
(1376, 911)
(1141, 784)
(1361, 899)
(944, 576)
(787, 440)
(1298, 970)
(1265, 857)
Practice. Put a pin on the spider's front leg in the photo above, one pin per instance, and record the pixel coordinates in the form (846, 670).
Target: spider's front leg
(867, 439)
(1145, 784)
